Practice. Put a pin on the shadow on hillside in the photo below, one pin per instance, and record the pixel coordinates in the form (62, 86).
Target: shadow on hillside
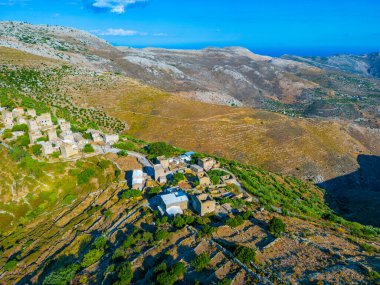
(356, 196)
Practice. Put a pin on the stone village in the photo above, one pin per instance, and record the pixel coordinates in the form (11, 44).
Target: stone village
(196, 192)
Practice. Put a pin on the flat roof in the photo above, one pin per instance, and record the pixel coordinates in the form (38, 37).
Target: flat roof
(175, 197)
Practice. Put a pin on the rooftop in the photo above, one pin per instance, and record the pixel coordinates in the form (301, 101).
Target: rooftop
(175, 197)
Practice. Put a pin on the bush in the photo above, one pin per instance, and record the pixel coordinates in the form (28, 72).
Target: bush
(131, 193)
(20, 128)
(201, 261)
(181, 221)
(10, 265)
(36, 149)
(62, 276)
(17, 153)
(85, 176)
(7, 134)
(68, 199)
(125, 146)
(276, 226)
(103, 164)
(125, 274)
(368, 248)
(22, 141)
(88, 148)
(169, 277)
(235, 222)
(100, 243)
(161, 149)
(245, 254)
(160, 234)
(94, 255)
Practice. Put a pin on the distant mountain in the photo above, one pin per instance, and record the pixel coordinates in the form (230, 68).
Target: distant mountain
(365, 65)
(301, 87)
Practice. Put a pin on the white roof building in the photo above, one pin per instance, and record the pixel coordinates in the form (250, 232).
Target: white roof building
(137, 179)
(111, 139)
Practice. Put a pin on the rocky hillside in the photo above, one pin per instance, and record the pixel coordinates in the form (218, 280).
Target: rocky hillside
(230, 76)
(366, 65)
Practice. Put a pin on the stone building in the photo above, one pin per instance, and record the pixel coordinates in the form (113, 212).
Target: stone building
(163, 161)
(47, 148)
(69, 149)
(111, 139)
(33, 126)
(7, 119)
(52, 135)
(159, 171)
(137, 179)
(206, 163)
(203, 204)
(173, 203)
(34, 136)
(44, 120)
(31, 112)
(96, 137)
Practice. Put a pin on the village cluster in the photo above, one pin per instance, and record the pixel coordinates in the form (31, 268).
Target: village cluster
(197, 191)
(53, 137)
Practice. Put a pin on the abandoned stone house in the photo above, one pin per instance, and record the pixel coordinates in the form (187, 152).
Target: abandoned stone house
(204, 180)
(33, 126)
(34, 136)
(52, 134)
(44, 120)
(111, 139)
(7, 119)
(203, 204)
(159, 171)
(69, 149)
(206, 163)
(31, 112)
(163, 161)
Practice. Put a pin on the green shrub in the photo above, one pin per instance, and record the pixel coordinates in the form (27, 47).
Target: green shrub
(7, 134)
(161, 149)
(88, 148)
(68, 199)
(85, 176)
(42, 139)
(100, 243)
(62, 276)
(131, 193)
(103, 164)
(36, 149)
(22, 141)
(245, 254)
(94, 255)
(20, 128)
(276, 226)
(201, 261)
(169, 277)
(368, 248)
(10, 265)
(235, 222)
(180, 221)
(125, 274)
(160, 234)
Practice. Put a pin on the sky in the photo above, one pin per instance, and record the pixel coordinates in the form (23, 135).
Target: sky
(271, 27)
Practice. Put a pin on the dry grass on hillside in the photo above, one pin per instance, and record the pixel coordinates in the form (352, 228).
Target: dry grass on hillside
(12, 56)
(294, 146)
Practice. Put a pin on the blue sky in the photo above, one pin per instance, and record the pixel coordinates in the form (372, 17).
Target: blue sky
(274, 27)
